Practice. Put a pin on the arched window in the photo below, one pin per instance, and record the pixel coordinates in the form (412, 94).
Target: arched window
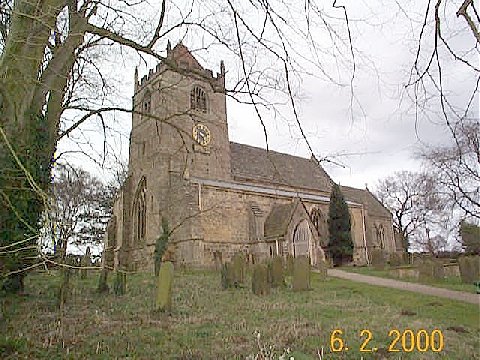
(318, 220)
(380, 232)
(198, 99)
(140, 211)
(301, 239)
(147, 103)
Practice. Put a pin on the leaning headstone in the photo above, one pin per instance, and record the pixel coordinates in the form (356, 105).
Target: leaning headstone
(260, 285)
(277, 274)
(86, 262)
(469, 269)
(238, 267)
(322, 267)
(301, 273)
(164, 289)
(289, 265)
(228, 278)
(378, 259)
(120, 283)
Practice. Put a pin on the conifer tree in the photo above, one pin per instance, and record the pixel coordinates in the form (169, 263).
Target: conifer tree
(340, 245)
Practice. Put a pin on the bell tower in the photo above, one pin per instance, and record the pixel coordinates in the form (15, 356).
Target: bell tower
(180, 118)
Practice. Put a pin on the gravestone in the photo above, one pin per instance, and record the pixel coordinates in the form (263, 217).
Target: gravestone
(228, 276)
(120, 283)
(164, 289)
(396, 259)
(289, 265)
(322, 267)
(469, 269)
(431, 269)
(260, 285)
(86, 262)
(378, 259)
(65, 290)
(301, 273)
(277, 274)
(102, 281)
(238, 268)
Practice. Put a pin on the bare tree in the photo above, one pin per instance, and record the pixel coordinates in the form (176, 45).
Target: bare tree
(416, 204)
(457, 168)
(52, 80)
(80, 209)
(447, 54)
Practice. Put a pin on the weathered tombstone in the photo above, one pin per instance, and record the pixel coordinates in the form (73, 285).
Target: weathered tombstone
(164, 288)
(396, 259)
(102, 281)
(301, 273)
(438, 270)
(228, 278)
(238, 268)
(277, 274)
(322, 269)
(65, 291)
(378, 259)
(469, 269)
(260, 285)
(120, 283)
(430, 269)
(289, 265)
(86, 262)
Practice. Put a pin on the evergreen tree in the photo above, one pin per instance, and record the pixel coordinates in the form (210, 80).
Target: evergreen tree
(340, 245)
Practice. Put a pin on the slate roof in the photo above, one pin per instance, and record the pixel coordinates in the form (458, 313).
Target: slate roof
(365, 197)
(278, 219)
(252, 163)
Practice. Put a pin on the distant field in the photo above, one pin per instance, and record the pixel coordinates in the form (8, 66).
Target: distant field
(210, 323)
(451, 283)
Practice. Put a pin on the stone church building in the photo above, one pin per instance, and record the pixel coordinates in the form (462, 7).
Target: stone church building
(220, 197)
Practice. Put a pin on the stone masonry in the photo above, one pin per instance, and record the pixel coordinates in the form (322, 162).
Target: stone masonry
(220, 197)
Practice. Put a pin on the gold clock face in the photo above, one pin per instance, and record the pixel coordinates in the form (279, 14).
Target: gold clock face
(201, 134)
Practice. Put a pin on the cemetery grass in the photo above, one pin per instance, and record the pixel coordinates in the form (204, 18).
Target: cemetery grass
(210, 323)
(452, 283)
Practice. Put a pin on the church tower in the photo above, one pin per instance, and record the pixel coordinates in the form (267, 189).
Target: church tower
(187, 128)
(179, 135)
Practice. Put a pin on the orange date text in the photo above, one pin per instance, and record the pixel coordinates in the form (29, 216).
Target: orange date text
(400, 341)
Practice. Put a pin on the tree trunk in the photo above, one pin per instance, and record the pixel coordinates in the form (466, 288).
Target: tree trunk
(25, 144)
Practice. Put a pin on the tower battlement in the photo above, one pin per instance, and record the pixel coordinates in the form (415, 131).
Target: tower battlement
(179, 59)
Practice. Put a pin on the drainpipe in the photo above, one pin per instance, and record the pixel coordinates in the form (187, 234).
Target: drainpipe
(364, 236)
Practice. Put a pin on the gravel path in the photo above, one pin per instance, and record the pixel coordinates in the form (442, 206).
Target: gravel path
(403, 285)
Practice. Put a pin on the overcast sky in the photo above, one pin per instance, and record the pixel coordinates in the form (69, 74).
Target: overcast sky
(376, 136)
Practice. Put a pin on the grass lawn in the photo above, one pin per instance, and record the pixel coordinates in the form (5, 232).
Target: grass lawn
(452, 283)
(210, 323)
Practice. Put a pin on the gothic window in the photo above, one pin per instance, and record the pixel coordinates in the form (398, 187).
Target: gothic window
(318, 220)
(147, 103)
(301, 239)
(380, 233)
(140, 211)
(198, 99)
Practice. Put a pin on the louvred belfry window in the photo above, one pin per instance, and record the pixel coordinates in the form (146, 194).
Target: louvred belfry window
(198, 99)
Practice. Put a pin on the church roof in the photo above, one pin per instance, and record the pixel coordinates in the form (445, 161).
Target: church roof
(183, 56)
(250, 163)
(256, 164)
(278, 219)
(365, 197)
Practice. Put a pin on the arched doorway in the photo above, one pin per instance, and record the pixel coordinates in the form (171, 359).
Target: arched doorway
(301, 239)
